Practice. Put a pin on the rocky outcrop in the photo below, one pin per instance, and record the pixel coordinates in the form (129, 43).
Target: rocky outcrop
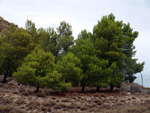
(3, 24)
(134, 88)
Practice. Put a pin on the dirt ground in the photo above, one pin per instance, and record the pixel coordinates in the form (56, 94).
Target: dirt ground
(16, 98)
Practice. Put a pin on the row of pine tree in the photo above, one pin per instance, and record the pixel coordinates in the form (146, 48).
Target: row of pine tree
(52, 58)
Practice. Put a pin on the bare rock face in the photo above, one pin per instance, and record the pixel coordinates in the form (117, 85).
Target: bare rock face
(3, 24)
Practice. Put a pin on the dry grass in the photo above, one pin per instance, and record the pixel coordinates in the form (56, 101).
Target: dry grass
(127, 109)
(74, 101)
(66, 100)
(40, 94)
(20, 101)
(6, 106)
(25, 93)
(33, 104)
(9, 108)
(49, 103)
(5, 101)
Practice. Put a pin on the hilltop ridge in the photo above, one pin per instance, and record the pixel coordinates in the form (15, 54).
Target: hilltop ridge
(4, 24)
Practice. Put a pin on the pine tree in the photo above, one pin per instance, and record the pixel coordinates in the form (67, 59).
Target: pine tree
(38, 70)
(65, 35)
(15, 44)
(69, 67)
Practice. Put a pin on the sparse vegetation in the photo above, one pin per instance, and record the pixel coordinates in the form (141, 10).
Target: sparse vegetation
(102, 102)
(10, 109)
(40, 94)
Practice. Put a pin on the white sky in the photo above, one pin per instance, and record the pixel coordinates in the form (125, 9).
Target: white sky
(84, 14)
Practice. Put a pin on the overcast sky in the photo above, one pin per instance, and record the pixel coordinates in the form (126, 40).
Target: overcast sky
(84, 14)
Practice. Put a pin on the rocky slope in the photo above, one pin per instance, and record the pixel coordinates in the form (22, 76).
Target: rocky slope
(22, 99)
(3, 24)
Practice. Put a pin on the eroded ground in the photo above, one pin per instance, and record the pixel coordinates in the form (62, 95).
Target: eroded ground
(19, 99)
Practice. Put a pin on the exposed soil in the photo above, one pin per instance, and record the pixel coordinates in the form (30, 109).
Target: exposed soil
(16, 98)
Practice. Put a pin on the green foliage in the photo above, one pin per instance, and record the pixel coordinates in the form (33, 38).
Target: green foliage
(95, 72)
(113, 41)
(116, 77)
(108, 39)
(84, 50)
(48, 40)
(130, 66)
(69, 67)
(38, 70)
(35, 68)
(32, 30)
(15, 44)
(65, 35)
(55, 82)
(93, 67)
(102, 58)
(84, 34)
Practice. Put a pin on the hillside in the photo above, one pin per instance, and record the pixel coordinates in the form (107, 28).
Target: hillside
(131, 98)
(3, 24)
(60, 79)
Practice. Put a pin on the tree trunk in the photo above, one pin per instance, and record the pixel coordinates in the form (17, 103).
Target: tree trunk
(4, 79)
(37, 89)
(111, 88)
(81, 83)
(98, 89)
(5, 76)
(83, 87)
(10, 74)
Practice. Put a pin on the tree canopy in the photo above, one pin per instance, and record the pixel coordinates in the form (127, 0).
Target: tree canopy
(15, 44)
(65, 35)
(69, 67)
(115, 41)
(38, 70)
(52, 58)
